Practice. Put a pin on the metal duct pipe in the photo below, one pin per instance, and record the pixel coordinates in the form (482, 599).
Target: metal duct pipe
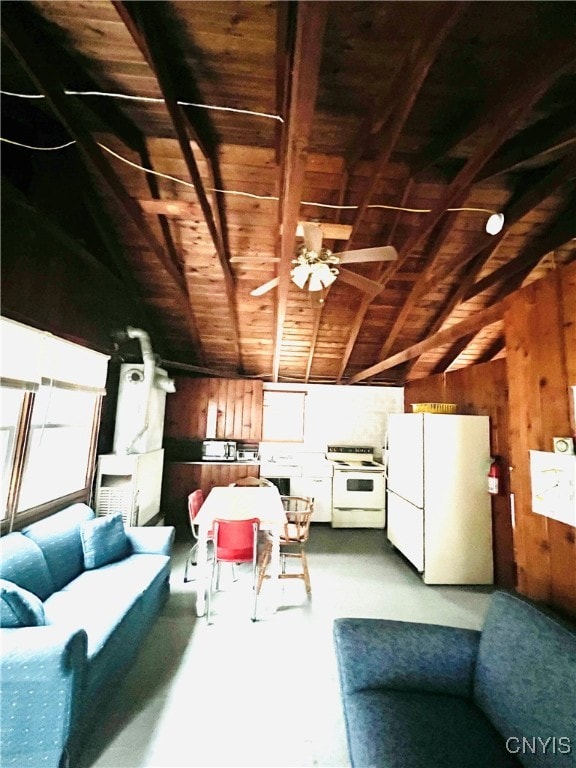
(149, 371)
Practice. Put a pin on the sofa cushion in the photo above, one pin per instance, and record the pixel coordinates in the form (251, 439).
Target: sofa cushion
(420, 730)
(104, 541)
(22, 562)
(525, 681)
(97, 600)
(58, 536)
(18, 607)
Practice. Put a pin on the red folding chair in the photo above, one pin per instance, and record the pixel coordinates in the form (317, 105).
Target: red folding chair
(195, 501)
(235, 541)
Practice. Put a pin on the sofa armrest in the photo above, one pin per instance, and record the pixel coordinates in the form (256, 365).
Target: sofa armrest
(151, 540)
(42, 670)
(376, 653)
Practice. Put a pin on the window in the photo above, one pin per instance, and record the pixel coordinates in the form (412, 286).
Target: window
(11, 410)
(50, 393)
(59, 445)
(283, 416)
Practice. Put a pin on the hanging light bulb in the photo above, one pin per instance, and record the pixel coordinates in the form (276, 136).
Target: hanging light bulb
(300, 274)
(495, 223)
(315, 283)
(327, 276)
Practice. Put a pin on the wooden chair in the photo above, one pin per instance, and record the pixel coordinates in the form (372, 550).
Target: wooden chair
(251, 482)
(195, 501)
(299, 511)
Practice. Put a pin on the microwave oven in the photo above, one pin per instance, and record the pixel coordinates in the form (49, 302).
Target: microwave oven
(218, 450)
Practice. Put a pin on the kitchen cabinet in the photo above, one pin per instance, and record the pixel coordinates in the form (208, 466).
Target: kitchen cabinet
(318, 488)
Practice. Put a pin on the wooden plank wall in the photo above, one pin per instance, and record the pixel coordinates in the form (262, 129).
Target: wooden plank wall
(480, 390)
(238, 403)
(181, 478)
(528, 399)
(540, 325)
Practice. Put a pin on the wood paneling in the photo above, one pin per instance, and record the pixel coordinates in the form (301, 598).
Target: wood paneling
(480, 390)
(527, 396)
(238, 404)
(540, 337)
(181, 478)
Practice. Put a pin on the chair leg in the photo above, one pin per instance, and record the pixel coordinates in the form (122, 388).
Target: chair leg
(209, 595)
(306, 573)
(264, 560)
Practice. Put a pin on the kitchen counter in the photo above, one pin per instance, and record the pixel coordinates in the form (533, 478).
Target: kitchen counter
(216, 463)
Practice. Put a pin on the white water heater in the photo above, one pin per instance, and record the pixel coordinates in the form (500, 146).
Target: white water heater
(130, 479)
(140, 410)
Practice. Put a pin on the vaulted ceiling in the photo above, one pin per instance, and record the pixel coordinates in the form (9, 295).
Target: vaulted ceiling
(204, 132)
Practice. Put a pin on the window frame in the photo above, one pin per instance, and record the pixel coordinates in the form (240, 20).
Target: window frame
(14, 519)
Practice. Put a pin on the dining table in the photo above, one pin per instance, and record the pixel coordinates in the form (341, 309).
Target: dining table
(239, 503)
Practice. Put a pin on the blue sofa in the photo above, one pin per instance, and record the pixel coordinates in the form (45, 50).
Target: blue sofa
(428, 696)
(78, 595)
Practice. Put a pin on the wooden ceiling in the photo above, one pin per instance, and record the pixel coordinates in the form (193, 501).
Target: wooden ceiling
(253, 116)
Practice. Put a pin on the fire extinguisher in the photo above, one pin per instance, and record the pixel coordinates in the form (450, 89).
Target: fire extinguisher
(493, 477)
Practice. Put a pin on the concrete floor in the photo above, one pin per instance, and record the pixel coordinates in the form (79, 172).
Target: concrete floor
(238, 693)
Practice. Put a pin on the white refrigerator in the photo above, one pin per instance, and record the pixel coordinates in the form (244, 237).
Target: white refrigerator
(439, 510)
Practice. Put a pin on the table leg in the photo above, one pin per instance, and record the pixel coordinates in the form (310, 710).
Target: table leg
(275, 570)
(201, 573)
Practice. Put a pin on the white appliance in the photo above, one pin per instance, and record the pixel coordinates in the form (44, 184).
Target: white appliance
(305, 474)
(358, 487)
(130, 479)
(439, 510)
(130, 484)
(139, 425)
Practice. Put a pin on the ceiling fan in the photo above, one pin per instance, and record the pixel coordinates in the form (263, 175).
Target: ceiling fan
(316, 268)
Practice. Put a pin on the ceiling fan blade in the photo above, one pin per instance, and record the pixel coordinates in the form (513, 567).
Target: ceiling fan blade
(265, 287)
(312, 236)
(380, 253)
(360, 282)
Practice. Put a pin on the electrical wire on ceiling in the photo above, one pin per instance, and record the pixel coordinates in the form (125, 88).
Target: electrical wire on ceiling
(148, 99)
(495, 222)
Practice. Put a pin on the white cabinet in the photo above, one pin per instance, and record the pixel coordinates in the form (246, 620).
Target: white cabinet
(318, 488)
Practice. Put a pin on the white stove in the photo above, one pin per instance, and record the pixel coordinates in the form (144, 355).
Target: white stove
(358, 487)
(355, 456)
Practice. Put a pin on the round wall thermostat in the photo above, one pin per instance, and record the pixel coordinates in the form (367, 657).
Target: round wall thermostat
(563, 445)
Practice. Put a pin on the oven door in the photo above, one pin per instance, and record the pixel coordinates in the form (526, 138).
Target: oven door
(358, 489)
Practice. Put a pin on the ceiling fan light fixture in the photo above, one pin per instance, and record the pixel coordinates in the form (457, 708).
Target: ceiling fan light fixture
(327, 275)
(300, 274)
(495, 223)
(316, 283)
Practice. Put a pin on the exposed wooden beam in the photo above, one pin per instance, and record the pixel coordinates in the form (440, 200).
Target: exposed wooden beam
(498, 126)
(310, 24)
(146, 35)
(436, 32)
(172, 250)
(177, 209)
(378, 274)
(37, 65)
(532, 196)
(473, 323)
(557, 132)
(561, 232)
(419, 288)
(284, 44)
(529, 194)
(475, 122)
